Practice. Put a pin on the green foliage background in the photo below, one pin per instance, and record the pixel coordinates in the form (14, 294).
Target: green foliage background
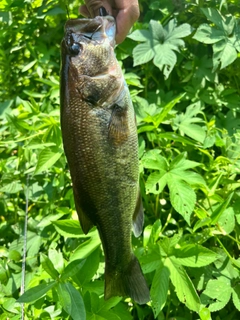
(181, 63)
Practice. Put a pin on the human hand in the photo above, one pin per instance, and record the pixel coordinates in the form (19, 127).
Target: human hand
(125, 12)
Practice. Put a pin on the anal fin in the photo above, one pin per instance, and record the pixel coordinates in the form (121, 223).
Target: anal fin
(85, 222)
(138, 217)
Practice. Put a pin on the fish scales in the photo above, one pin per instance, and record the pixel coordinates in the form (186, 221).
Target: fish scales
(100, 143)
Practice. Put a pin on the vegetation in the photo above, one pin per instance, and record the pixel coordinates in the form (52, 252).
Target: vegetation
(181, 63)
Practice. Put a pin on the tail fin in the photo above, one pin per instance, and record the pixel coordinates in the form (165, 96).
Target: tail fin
(129, 282)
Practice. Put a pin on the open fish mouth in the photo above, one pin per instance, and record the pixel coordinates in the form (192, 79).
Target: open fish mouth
(96, 30)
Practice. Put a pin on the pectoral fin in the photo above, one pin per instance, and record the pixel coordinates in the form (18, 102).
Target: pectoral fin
(85, 222)
(138, 217)
(118, 129)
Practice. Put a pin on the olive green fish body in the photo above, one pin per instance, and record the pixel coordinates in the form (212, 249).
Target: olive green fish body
(100, 142)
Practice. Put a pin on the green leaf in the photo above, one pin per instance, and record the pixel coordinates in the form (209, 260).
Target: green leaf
(160, 44)
(194, 255)
(12, 187)
(184, 287)
(208, 35)
(217, 294)
(71, 301)
(214, 16)
(215, 216)
(36, 292)
(181, 163)
(159, 289)
(88, 270)
(29, 65)
(158, 119)
(49, 267)
(87, 247)
(153, 160)
(205, 314)
(46, 159)
(225, 54)
(72, 268)
(156, 182)
(182, 197)
(139, 35)
(142, 53)
(236, 296)
(227, 220)
(69, 228)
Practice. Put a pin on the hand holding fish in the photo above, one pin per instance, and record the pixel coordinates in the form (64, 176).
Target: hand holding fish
(124, 11)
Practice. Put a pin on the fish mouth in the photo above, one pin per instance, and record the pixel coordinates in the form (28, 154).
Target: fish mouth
(97, 29)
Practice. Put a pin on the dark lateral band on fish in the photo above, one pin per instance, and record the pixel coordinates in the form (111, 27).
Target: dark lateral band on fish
(100, 142)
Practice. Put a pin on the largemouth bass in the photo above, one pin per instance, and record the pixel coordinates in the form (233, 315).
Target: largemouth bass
(100, 142)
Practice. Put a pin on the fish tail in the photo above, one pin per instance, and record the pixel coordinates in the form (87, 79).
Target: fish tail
(129, 282)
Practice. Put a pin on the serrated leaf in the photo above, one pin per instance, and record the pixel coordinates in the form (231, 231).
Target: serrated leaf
(184, 287)
(71, 301)
(214, 16)
(46, 159)
(139, 35)
(236, 296)
(160, 44)
(165, 59)
(194, 255)
(224, 56)
(182, 197)
(159, 289)
(227, 220)
(181, 163)
(156, 182)
(36, 292)
(208, 35)
(153, 160)
(142, 53)
(217, 294)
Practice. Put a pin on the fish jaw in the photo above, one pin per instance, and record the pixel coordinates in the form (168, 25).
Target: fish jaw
(99, 29)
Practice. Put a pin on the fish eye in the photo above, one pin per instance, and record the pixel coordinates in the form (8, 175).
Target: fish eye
(75, 49)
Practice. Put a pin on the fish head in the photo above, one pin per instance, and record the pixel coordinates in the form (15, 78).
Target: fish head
(88, 45)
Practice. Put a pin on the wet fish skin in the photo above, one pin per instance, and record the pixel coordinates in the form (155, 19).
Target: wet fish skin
(100, 143)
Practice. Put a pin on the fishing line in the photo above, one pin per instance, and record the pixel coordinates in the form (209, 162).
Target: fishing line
(22, 289)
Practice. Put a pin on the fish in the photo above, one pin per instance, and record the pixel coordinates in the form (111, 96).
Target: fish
(100, 142)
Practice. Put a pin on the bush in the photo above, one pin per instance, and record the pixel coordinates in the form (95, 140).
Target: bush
(184, 84)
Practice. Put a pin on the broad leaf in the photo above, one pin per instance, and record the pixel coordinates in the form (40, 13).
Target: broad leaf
(46, 159)
(49, 267)
(71, 300)
(160, 44)
(36, 292)
(184, 287)
(69, 228)
(217, 294)
(182, 197)
(159, 289)
(195, 256)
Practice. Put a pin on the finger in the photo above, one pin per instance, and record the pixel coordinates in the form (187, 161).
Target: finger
(93, 7)
(125, 19)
